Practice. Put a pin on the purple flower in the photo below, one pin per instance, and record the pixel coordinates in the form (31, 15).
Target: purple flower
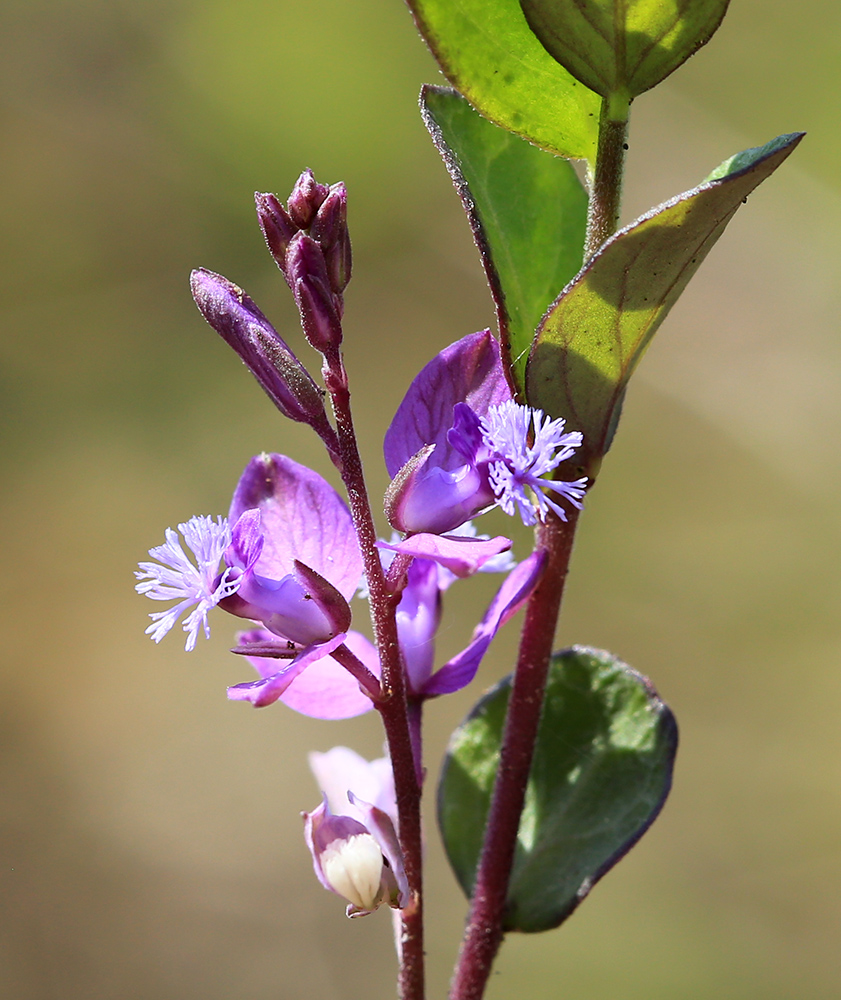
(353, 842)
(419, 614)
(292, 564)
(459, 444)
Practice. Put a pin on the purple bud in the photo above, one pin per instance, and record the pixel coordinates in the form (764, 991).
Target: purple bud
(319, 317)
(330, 230)
(320, 309)
(305, 200)
(239, 322)
(277, 225)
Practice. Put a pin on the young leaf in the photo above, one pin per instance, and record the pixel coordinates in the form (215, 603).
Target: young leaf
(527, 210)
(488, 52)
(595, 333)
(601, 772)
(623, 46)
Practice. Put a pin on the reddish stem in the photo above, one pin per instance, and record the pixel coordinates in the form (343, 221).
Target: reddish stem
(484, 932)
(394, 709)
(367, 681)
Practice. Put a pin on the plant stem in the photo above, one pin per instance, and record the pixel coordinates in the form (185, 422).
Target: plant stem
(394, 709)
(606, 191)
(485, 922)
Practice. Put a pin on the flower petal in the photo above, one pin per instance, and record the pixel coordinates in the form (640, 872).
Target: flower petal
(462, 556)
(381, 828)
(469, 371)
(268, 689)
(303, 518)
(341, 769)
(461, 670)
(325, 690)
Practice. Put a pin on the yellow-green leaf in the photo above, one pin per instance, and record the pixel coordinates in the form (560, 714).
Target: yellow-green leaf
(487, 51)
(596, 331)
(623, 46)
(527, 210)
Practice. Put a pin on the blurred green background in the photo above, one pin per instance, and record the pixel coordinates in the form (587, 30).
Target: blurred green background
(150, 843)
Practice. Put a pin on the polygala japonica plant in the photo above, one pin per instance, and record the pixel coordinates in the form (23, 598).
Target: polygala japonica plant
(562, 767)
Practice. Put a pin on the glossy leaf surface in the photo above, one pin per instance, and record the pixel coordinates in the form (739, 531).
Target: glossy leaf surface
(487, 51)
(601, 773)
(527, 210)
(623, 46)
(595, 333)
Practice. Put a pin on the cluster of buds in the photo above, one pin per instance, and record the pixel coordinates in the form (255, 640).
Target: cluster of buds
(310, 244)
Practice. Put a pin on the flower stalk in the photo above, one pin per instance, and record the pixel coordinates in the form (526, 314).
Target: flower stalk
(394, 709)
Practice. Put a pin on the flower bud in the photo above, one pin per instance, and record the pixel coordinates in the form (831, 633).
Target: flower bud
(330, 231)
(358, 860)
(239, 322)
(277, 225)
(320, 309)
(305, 200)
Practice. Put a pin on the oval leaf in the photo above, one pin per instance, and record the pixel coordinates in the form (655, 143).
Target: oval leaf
(527, 210)
(601, 772)
(486, 50)
(595, 333)
(623, 46)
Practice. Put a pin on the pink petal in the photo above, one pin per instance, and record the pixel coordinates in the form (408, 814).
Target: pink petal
(325, 690)
(462, 556)
(469, 371)
(510, 597)
(302, 518)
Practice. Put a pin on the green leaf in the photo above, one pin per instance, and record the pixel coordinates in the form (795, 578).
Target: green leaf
(527, 210)
(595, 333)
(488, 52)
(601, 772)
(623, 46)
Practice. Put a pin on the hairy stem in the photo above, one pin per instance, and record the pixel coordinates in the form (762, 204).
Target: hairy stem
(394, 709)
(606, 190)
(485, 922)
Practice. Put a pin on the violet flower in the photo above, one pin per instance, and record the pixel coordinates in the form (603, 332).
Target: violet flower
(459, 444)
(419, 614)
(292, 564)
(353, 842)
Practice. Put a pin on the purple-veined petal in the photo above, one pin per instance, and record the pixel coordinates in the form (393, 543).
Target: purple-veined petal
(246, 540)
(303, 518)
(268, 689)
(340, 770)
(469, 371)
(325, 690)
(462, 556)
(461, 669)
(418, 616)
